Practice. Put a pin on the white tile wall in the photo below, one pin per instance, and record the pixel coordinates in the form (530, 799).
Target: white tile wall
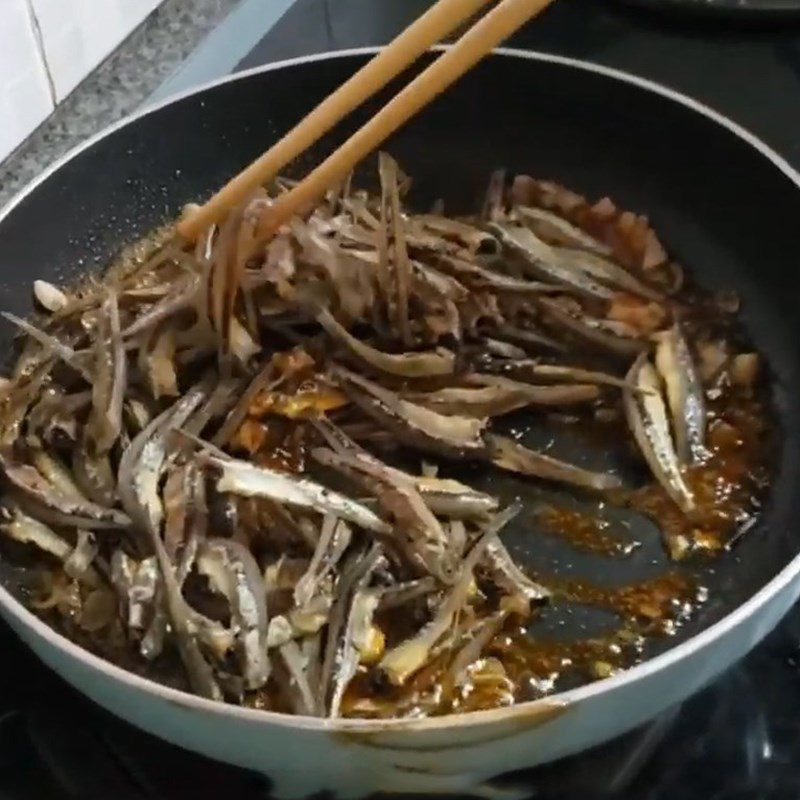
(78, 34)
(25, 98)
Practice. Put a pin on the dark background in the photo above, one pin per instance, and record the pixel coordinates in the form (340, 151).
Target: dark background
(744, 65)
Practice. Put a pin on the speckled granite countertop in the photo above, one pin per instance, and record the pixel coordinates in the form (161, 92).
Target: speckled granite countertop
(127, 78)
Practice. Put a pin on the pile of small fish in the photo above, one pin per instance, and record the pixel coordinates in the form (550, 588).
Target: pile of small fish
(273, 512)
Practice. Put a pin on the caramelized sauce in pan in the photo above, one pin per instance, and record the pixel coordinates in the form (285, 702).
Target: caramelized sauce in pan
(535, 667)
(272, 443)
(726, 486)
(655, 605)
(517, 665)
(585, 531)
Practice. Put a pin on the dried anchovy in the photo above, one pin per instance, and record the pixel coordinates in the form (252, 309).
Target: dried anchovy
(226, 500)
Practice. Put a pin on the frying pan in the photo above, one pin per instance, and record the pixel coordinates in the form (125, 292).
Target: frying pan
(725, 204)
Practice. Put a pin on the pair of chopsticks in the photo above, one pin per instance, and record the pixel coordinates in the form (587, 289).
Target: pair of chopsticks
(436, 23)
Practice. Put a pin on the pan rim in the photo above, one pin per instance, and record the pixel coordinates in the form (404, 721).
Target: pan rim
(699, 641)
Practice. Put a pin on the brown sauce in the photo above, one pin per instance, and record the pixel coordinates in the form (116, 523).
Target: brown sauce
(273, 443)
(726, 486)
(655, 605)
(516, 666)
(585, 531)
(536, 666)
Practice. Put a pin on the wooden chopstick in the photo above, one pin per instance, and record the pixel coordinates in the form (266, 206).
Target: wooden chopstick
(497, 25)
(487, 33)
(431, 27)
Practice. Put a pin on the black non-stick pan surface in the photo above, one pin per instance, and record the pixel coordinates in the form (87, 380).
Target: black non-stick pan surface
(722, 207)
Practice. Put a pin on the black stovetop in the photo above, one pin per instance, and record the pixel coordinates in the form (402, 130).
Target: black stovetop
(737, 740)
(748, 69)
